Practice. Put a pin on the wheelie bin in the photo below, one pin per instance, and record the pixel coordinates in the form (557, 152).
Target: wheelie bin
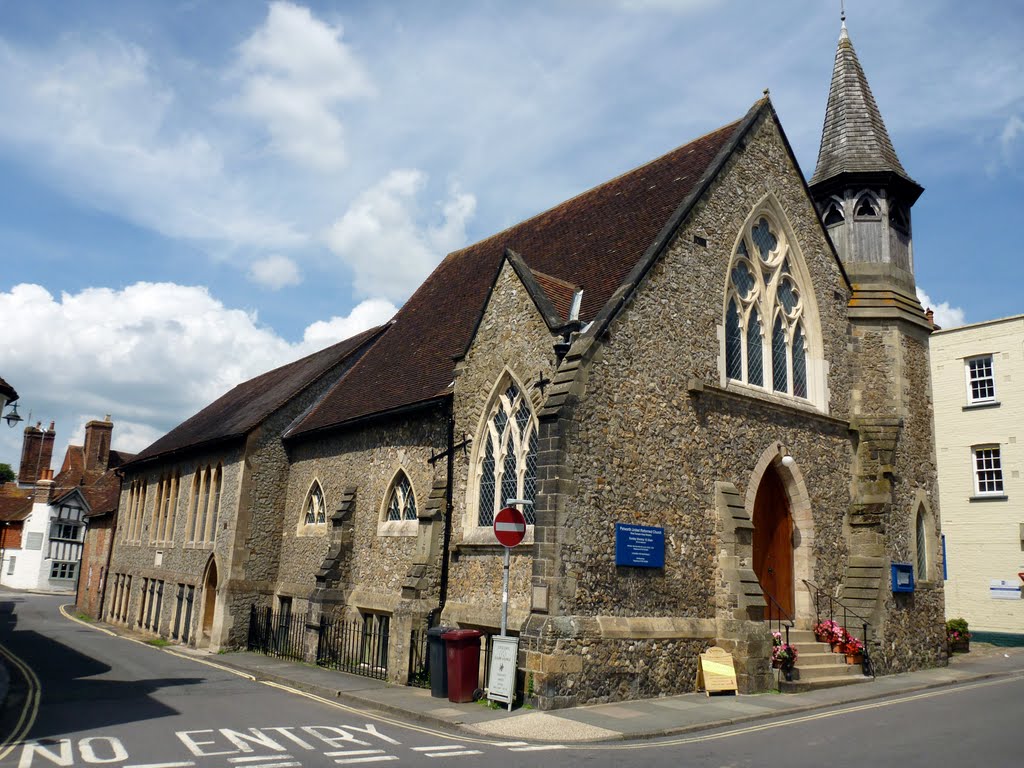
(438, 662)
(463, 652)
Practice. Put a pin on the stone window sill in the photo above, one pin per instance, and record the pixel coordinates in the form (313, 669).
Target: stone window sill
(989, 497)
(397, 527)
(980, 406)
(482, 537)
(312, 530)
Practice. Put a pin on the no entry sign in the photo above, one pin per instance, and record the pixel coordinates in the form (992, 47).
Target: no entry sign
(509, 526)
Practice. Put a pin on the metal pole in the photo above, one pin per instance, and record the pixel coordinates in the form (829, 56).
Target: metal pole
(504, 593)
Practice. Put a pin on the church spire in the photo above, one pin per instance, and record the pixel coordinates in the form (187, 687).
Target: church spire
(854, 139)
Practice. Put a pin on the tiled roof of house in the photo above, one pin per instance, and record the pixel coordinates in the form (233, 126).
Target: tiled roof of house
(15, 502)
(241, 409)
(592, 241)
(7, 390)
(101, 488)
(853, 138)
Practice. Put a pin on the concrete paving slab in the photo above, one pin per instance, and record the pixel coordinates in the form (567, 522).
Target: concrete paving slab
(541, 726)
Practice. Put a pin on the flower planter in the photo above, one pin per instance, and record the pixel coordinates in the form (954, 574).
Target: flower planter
(854, 658)
(824, 637)
(959, 646)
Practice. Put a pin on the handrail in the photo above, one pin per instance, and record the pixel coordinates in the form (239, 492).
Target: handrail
(847, 613)
(778, 617)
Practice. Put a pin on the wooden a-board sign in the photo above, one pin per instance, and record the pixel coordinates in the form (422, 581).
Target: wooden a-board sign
(716, 672)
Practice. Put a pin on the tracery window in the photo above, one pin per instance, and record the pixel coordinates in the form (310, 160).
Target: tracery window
(833, 213)
(866, 207)
(765, 334)
(402, 501)
(508, 455)
(316, 509)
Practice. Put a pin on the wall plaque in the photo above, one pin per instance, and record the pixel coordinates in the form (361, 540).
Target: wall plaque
(641, 546)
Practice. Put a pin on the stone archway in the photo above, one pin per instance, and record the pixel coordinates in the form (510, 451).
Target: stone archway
(773, 546)
(787, 486)
(209, 604)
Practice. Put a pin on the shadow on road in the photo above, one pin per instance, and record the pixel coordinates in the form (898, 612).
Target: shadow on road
(75, 694)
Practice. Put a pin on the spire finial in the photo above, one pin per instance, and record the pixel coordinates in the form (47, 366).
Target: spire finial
(842, 17)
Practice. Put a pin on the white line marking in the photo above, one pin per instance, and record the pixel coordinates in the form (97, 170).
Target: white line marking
(454, 754)
(344, 752)
(509, 743)
(162, 765)
(257, 758)
(438, 749)
(376, 759)
(286, 764)
(536, 748)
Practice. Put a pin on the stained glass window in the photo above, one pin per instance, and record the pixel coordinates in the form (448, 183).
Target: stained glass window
(316, 511)
(768, 287)
(509, 464)
(402, 502)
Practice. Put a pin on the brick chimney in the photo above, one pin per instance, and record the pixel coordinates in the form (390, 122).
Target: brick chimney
(97, 444)
(36, 453)
(44, 487)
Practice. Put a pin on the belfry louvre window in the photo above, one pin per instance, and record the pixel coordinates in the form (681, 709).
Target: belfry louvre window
(508, 456)
(765, 334)
(981, 383)
(316, 509)
(401, 502)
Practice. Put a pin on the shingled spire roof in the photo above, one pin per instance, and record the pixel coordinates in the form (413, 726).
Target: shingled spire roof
(853, 139)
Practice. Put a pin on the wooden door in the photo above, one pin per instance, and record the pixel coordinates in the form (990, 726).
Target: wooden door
(773, 544)
(209, 601)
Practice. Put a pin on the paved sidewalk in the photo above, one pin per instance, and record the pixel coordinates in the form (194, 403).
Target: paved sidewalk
(623, 720)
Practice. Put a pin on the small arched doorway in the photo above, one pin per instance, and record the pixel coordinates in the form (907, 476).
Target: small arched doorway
(209, 603)
(773, 544)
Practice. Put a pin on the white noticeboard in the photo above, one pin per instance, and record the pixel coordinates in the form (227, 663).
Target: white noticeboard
(501, 680)
(1003, 589)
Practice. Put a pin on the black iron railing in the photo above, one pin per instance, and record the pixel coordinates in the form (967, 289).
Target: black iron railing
(276, 634)
(778, 619)
(419, 658)
(832, 608)
(358, 646)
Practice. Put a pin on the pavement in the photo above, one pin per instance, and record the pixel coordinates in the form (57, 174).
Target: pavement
(644, 718)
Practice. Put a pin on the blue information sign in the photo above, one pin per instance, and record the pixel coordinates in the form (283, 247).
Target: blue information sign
(642, 546)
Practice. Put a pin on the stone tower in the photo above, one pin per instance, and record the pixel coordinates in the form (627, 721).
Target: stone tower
(864, 196)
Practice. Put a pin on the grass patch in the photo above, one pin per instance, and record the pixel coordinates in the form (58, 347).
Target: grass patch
(85, 618)
(158, 642)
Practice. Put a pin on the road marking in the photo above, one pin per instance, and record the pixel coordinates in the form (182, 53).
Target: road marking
(461, 753)
(29, 712)
(536, 748)
(66, 615)
(289, 763)
(351, 752)
(375, 759)
(257, 758)
(437, 749)
(184, 764)
(447, 750)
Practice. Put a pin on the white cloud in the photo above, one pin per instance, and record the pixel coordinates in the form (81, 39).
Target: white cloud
(297, 73)
(381, 238)
(99, 123)
(1012, 131)
(150, 355)
(365, 315)
(945, 315)
(275, 272)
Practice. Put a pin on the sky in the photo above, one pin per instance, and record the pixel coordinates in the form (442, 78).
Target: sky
(194, 192)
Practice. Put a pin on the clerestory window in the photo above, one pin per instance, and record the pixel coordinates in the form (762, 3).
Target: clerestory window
(315, 508)
(507, 455)
(402, 501)
(766, 340)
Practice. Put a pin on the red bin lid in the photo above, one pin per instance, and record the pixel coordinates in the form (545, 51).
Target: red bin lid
(462, 634)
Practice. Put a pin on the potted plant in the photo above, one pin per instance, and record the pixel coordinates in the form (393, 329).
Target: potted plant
(783, 655)
(957, 635)
(854, 650)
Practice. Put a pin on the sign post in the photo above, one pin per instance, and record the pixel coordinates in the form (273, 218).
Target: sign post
(509, 530)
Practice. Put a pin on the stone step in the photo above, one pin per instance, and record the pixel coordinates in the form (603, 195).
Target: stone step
(802, 686)
(819, 657)
(826, 671)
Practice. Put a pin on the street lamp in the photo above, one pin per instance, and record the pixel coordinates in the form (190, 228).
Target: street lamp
(13, 417)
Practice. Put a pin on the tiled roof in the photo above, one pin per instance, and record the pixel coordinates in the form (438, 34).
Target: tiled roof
(591, 241)
(101, 489)
(560, 292)
(240, 410)
(7, 390)
(853, 138)
(15, 502)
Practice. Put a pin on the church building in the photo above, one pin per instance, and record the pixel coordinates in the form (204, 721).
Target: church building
(708, 350)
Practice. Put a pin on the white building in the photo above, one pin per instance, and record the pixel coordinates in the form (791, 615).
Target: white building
(978, 391)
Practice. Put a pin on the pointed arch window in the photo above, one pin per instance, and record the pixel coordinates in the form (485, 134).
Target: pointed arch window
(765, 327)
(866, 207)
(315, 507)
(833, 214)
(401, 501)
(508, 459)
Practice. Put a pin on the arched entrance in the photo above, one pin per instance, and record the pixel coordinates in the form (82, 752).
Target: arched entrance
(773, 544)
(209, 603)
